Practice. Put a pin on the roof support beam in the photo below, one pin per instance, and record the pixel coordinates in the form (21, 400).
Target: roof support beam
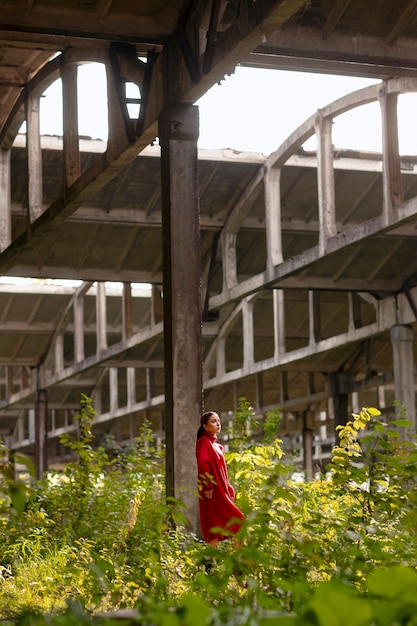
(336, 12)
(168, 82)
(325, 176)
(391, 174)
(273, 220)
(35, 194)
(178, 132)
(401, 23)
(72, 162)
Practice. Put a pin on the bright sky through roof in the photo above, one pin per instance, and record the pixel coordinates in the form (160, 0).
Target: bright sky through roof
(251, 110)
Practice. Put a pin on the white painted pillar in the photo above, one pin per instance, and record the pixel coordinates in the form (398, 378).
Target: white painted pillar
(247, 326)
(78, 307)
(96, 396)
(101, 317)
(391, 169)
(273, 217)
(131, 387)
(33, 139)
(72, 160)
(21, 428)
(325, 181)
(114, 390)
(279, 323)
(314, 317)
(402, 338)
(149, 383)
(221, 357)
(31, 425)
(5, 200)
(229, 263)
(59, 353)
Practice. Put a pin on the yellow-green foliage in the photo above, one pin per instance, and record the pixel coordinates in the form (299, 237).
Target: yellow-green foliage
(340, 549)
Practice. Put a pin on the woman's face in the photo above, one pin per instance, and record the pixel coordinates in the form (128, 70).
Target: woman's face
(213, 425)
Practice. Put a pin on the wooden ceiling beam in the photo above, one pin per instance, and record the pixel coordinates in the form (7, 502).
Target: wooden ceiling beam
(241, 37)
(104, 8)
(402, 22)
(335, 14)
(295, 49)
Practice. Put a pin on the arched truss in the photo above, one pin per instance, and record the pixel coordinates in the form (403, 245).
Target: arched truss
(358, 262)
(332, 237)
(126, 136)
(122, 66)
(368, 307)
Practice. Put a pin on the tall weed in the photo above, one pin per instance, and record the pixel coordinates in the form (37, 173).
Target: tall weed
(102, 538)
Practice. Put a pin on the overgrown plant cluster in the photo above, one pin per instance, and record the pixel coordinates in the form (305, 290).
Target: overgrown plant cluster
(100, 541)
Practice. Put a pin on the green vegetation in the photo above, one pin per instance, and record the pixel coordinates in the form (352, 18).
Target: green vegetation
(100, 538)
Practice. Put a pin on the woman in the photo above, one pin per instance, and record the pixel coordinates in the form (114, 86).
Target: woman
(216, 494)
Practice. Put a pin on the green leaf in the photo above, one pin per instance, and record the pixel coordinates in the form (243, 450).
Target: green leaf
(284, 620)
(196, 610)
(335, 605)
(401, 422)
(18, 496)
(394, 582)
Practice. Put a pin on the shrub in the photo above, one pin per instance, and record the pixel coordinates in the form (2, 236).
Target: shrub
(102, 538)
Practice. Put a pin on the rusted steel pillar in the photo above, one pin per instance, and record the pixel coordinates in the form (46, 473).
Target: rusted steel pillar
(178, 134)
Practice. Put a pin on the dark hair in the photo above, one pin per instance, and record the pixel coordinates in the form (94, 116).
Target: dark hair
(204, 419)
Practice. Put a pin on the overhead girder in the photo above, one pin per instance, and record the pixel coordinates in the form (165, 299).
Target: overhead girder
(394, 213)
(387, 313)
(162, 80)
(333, 45)
(239, 213)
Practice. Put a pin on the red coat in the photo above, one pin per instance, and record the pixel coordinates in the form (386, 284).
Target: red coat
(216, 494)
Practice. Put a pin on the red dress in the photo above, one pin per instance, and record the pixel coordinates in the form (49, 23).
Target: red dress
(216, 494)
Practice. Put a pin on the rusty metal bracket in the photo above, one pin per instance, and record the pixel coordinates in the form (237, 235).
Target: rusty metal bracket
(189, 57)
(212, 36)
(214, 33)
(144, 92)
(115, 50)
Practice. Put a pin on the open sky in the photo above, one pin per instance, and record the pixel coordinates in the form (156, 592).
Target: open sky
(251, 110)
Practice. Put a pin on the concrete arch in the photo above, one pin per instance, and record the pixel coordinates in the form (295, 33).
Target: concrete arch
(373, 93)
(331, 237)
(129, 66)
